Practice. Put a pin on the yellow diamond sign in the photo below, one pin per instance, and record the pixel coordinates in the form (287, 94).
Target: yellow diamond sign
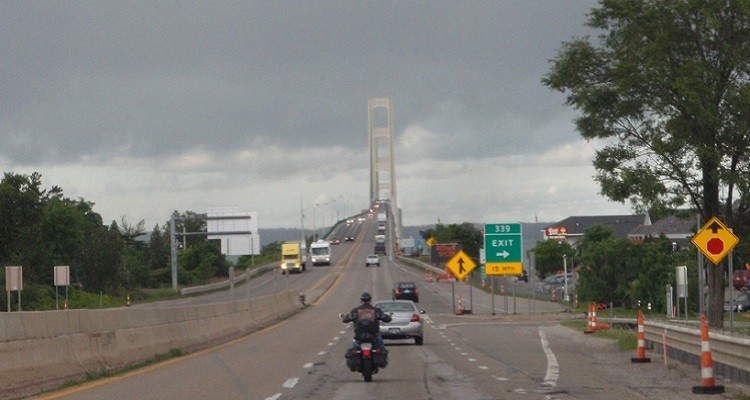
(715, 240)
(460, 265)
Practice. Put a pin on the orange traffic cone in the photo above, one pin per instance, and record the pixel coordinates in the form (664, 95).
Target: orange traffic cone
(640, 352)
(707, 365)
(591, 326)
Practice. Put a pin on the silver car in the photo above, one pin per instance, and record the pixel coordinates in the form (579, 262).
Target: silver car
(406, 323)
(372, 259)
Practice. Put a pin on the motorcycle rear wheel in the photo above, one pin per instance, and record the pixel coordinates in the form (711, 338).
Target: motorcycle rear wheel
(367, 369)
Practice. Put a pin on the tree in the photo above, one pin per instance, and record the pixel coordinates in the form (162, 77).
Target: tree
(100, 266)
(666, 86)
(548, 257)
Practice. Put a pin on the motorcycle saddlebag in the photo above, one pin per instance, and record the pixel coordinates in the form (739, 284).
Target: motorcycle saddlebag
(380, 358)
(352, 359)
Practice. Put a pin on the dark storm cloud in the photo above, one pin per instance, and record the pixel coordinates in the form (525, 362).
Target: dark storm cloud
(85, 81)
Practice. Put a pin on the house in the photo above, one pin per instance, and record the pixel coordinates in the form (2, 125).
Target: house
(571, 229)
(679, 229)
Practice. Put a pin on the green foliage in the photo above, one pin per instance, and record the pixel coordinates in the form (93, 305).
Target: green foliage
(548, 256)
(666, 86)
(273, 249)
(625, 273)
(41, 228)
(608, 267)
(201, 262)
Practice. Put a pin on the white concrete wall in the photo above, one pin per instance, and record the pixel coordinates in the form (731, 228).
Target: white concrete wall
(45, 349)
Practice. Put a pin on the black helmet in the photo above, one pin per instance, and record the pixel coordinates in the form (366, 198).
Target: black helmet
(365, 297)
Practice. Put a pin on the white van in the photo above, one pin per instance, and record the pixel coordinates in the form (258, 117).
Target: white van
(320, 252)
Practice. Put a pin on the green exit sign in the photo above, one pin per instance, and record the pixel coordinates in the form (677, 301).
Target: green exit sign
(503, 247)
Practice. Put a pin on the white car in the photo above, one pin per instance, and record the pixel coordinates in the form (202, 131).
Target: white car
(372, 260)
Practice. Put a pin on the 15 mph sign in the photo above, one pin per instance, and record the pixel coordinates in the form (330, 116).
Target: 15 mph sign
(715, 240)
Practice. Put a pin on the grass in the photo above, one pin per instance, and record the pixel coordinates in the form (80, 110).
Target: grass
(626, 338)
(94, 376)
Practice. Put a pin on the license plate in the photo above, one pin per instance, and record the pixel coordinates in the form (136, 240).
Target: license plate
(394, 330)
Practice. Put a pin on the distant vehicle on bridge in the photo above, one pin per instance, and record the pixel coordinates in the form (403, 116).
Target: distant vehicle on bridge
(292, 257)
(320, 252)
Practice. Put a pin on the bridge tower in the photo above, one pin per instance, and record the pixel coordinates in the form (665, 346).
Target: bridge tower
(382, 170)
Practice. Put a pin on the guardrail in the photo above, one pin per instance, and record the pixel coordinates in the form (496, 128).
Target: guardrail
(730, 352)
(249, 274)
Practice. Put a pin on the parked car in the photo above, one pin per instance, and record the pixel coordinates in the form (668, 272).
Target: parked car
(406, 291)
(741, 279)
(372, 260)
(741, 303)
(556, 281)
(406, 320)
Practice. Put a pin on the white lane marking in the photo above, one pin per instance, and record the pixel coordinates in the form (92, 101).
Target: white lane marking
(331, 344)
(484, 367)
(290, 383)
(553, 368)
(335, 338)
(464, 354)
(321, 353)
(501, 378)
(274, 397)
(308, 365)
(472, 360)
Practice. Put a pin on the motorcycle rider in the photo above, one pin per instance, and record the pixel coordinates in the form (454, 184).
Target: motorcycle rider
(366, 319)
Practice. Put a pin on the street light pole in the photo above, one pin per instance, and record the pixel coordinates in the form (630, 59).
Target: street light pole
(565, 277)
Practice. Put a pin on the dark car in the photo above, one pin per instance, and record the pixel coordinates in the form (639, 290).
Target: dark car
(741, 279)
(406, 291)
(741, 303)
(349, 239)
(379, 249)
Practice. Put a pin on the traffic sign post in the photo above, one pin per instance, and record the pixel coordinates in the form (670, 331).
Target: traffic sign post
(503, 245)
(715, 240)
(460, 265)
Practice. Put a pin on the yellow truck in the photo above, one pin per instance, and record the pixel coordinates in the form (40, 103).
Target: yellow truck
(292, 258)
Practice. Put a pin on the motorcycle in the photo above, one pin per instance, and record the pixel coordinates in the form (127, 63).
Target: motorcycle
(366, 357)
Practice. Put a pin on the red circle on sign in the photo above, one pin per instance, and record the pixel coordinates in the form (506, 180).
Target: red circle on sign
(715, 246)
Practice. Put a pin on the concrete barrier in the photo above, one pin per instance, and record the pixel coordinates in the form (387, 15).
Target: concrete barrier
(42, 350)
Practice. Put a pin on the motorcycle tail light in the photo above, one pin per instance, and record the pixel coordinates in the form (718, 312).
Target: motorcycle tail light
(367, 353)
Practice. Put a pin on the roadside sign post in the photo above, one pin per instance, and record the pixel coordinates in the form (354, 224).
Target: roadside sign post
(715, 241)
(503, 244)
(461, 265)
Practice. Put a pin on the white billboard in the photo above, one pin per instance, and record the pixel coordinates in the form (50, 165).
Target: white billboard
(242, 221)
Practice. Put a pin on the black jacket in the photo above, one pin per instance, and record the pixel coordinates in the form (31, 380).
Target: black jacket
(366, 319)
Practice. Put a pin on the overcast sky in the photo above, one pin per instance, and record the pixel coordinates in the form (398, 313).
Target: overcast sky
(148, 107)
